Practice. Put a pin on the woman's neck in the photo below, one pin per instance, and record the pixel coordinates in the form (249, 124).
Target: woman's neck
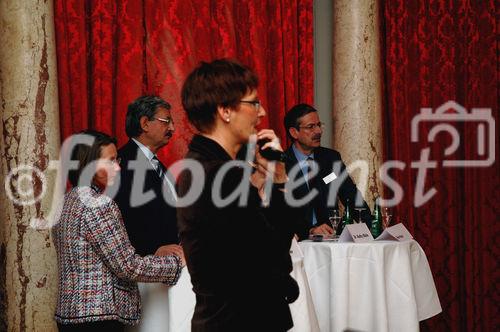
(231, 148)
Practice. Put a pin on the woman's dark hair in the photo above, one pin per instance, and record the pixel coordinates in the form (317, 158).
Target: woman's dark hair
(87, 149)
(218, 83)
(294, 114)
(142, 106)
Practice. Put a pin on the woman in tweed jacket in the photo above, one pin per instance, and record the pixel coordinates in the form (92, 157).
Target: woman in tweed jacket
(98, 267)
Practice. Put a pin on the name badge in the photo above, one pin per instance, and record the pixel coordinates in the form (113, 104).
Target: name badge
(357, 233)
(397, 232)
(329, 178)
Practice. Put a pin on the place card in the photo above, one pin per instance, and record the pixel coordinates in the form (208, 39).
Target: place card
(397, 232)
(356, 233)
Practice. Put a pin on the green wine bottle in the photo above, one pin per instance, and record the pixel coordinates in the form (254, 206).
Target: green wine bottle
(346, 218)
(376, 228)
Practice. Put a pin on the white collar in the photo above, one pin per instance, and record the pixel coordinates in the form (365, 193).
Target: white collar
(147, 152)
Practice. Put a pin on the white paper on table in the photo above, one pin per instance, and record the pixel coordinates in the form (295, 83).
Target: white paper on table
(357, 233)
(397, 232)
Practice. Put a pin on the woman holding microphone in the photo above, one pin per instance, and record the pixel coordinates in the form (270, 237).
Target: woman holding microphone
(237, 250)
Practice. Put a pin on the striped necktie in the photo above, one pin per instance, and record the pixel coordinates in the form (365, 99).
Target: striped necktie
(161, 171)
(159, 168)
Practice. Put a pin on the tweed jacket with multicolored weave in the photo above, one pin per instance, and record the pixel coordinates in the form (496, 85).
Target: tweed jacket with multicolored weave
(98, 267)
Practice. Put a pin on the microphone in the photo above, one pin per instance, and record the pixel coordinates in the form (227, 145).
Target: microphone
(270, 153)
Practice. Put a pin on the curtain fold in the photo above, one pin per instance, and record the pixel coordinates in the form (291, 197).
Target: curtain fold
(436, 51)
(110, 52)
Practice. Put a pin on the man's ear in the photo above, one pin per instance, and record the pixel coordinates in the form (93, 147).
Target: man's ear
(293, 132)
(144, 123)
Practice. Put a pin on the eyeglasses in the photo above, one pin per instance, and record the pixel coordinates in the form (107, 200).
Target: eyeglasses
(311, 126)
(113, 162)
(165, 120)
(255, 103)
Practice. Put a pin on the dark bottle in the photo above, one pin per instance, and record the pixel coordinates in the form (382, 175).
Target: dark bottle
(376, 228)
(346, 218)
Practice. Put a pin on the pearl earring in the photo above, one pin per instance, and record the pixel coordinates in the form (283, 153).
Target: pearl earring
(227, 120)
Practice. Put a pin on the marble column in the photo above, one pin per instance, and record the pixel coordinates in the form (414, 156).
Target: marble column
(357, 89)
(29, 140)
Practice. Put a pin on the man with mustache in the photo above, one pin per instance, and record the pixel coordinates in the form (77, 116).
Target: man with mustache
(304, 128)
(146, 196)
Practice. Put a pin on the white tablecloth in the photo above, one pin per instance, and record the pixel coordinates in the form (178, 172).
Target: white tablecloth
(376, 286)
(303, 312)
(170, 309)
(166, 308)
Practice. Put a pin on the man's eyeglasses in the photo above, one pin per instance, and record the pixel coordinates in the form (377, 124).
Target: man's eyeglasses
(165, 120)
(255, 103)
(311, 126)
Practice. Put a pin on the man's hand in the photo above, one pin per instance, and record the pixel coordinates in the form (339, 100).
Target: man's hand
(172, 249)
(322, 229)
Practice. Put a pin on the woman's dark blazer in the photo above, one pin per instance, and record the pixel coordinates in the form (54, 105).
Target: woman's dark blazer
(237, 256)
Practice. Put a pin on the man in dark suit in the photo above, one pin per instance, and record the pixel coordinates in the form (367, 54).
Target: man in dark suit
(305, 155)
(146, 196)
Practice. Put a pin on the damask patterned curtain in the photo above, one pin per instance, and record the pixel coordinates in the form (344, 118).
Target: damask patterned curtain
(110, 52)
(436, 51)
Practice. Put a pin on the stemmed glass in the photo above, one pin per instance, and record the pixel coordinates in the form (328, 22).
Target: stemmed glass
(359, 209)
(334, 219)
(386, 217)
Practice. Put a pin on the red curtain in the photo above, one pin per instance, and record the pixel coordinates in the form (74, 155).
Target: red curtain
(435, 51)
(110, 52)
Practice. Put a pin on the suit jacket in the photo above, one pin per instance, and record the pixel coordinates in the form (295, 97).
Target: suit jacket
(98, 267)
(238, 256)
(151, 224)
(328, 161)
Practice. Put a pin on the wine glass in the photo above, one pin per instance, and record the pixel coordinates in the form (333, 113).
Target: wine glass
(334, 219)
(386, 217)
(359, 209)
